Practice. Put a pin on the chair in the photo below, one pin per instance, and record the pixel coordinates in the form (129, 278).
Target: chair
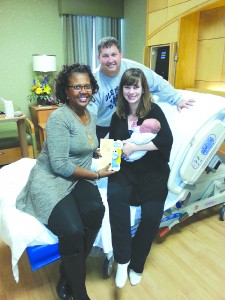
(9, 142)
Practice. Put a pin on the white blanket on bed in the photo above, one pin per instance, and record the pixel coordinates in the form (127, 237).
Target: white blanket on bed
(18, 229)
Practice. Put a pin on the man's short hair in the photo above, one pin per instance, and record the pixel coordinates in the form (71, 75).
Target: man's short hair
(108, 42)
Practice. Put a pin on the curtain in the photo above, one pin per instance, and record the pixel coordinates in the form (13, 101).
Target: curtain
(100, 8)
(81, 35)
(78, 39)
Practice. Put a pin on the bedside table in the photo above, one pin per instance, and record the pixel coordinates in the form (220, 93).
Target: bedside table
(39, 116)
(7, 155)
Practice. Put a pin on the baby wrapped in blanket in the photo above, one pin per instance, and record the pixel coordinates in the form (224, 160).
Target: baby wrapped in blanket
(143, 134)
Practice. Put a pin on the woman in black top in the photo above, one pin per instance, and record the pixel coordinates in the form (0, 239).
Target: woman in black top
(142, 182)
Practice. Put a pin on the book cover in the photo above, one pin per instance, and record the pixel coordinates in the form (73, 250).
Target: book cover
(111, 152)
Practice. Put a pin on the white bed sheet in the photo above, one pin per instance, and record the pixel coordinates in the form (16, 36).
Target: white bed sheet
(18, 229)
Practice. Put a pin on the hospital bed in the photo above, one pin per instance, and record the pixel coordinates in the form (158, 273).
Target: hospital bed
(196, 182)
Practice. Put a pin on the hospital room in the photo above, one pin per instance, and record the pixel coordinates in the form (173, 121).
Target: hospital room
(61, 48)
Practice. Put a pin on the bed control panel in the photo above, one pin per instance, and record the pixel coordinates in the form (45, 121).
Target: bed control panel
(201, 150)
(205, 149)
(209, 143)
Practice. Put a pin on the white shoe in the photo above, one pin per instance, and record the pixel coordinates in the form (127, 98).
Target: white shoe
(134, 277)
(121, 275)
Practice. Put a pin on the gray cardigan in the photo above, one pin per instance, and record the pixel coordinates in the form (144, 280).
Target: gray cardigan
(68, 145)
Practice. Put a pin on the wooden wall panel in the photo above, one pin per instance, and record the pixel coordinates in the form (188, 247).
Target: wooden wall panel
(207, 91)
(167, 35)
(156, 5)
(223, 67)
(210, 60)
(177, 10)
(175, 2)
(212, 24)
(185, 73)
(157, 19)
(209, 85)
(198, 26)
(211, 49)
(213, 4)
(161, 13)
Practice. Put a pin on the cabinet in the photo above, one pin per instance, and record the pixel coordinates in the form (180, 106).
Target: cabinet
(198, 29)
(39, 116)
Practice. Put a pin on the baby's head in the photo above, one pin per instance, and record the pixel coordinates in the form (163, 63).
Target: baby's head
(150, 125)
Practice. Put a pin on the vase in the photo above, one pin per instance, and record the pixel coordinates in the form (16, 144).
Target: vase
(44, 101)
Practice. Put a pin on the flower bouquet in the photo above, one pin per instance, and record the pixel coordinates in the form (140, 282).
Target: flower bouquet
(41, 91)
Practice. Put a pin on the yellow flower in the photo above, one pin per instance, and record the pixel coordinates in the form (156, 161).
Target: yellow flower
(41, 90)
(33, 88)
(47, 89)
(38, 91)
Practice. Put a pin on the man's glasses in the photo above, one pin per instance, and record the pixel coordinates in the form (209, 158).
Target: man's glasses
(78, 88)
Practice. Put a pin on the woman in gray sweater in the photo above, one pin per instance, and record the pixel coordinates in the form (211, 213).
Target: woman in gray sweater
(61, 191)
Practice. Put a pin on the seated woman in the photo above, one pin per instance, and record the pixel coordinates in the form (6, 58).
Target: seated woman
(61, 191)
(141, 182)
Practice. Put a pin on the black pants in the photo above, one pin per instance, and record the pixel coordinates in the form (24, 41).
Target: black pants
(81, 209)
(126, 248)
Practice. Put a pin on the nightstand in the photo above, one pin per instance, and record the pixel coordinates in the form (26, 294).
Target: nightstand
(39, 116)
(10, 152)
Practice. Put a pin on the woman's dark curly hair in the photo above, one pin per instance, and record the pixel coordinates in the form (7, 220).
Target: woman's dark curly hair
(63, 77)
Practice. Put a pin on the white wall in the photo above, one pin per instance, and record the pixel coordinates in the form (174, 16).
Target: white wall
(27, 27)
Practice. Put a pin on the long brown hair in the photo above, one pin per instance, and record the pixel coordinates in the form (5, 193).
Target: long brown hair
(132, 77)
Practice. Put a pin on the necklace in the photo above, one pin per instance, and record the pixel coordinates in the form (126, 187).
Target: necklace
(83, 121)
(89, 135)
(90, 139)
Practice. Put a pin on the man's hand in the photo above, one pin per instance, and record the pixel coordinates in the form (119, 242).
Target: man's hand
(185, 104)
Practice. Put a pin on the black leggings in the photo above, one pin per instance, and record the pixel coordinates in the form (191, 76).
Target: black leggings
(126, 248)
(81, 209)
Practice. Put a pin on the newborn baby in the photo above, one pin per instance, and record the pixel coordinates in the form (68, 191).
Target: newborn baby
(143, 134)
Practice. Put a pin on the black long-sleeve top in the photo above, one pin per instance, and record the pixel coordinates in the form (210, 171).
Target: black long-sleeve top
(150, 173)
